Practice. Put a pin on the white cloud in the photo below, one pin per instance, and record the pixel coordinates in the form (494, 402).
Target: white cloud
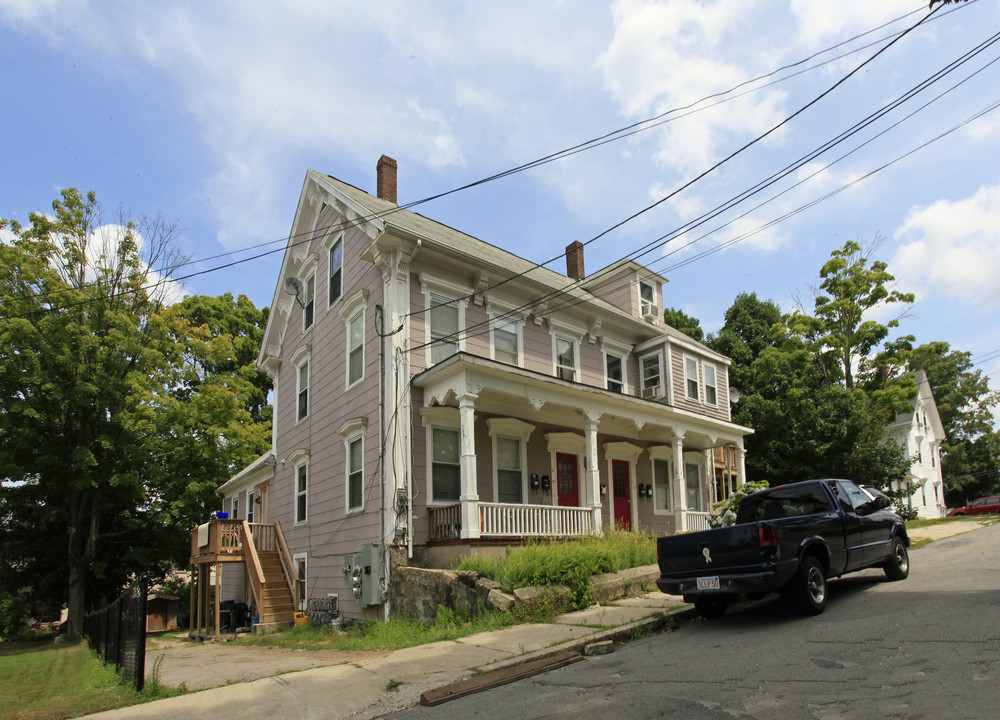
(954, 248)
(820, 23)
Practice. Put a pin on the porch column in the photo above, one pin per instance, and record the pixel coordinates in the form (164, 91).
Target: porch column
(469, 492)
(593, 473)
(680, 481)
(741, 467)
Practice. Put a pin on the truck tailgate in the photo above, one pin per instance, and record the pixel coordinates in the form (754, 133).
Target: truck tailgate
(709, 551)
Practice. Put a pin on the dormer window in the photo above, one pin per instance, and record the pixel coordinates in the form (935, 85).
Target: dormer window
(647, 300)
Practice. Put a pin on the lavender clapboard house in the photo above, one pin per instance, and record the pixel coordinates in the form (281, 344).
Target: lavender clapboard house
(435, 396)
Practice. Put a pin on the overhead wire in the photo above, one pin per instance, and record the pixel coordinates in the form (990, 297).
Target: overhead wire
(612, 136)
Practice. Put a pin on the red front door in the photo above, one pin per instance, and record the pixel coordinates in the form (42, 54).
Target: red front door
(567, 486)
(623, 502)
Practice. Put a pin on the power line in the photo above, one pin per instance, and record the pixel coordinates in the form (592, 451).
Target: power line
(612, 136)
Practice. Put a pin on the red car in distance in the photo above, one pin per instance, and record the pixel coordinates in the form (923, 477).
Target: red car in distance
(982, 506)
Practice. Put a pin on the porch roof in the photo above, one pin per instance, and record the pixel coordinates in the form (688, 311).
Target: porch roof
(512, 391)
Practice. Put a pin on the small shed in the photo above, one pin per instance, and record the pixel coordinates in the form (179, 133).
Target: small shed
(161, 612)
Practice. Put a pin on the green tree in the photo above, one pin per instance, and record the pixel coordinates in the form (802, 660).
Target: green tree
(855, 284)
(92, 415)
(679, 320)
(751, 324)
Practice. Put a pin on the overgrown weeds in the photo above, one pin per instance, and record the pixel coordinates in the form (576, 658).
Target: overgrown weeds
(570, 562)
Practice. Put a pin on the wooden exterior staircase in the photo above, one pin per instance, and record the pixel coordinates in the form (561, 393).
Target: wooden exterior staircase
(262, 548)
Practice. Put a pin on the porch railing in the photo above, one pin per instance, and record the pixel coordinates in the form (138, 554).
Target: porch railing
(697, 520)
(506, 520)
(512, 520)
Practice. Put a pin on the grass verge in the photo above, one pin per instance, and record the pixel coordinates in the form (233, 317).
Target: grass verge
(374, 635)
(44, 681)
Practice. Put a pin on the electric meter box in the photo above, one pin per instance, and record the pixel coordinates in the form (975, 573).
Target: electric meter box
(365, 574)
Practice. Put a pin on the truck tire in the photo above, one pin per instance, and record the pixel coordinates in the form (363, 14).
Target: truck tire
(897, 567)
(810, 587)
(711, 607)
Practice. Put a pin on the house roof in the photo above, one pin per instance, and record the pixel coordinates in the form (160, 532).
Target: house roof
(248, 474)
(924, 398)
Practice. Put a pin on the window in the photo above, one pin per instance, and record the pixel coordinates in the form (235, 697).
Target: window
(510, 475)
(444, 328)
(250, 506)
(445, 473)
(301, 585)
(356, 348)
(355, 473)
(661, 484)
(614, 370)
(692, 476)
(647, 299)
(691, 379)
(336, 262)
(651, 384)
(235, 514)
(506, 342)
(303, 391)
(309, 303)
(565, 358)
(301, 493)
(711, 392)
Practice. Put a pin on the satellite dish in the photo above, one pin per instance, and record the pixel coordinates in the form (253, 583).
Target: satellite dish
(734, 394)
(293, 286)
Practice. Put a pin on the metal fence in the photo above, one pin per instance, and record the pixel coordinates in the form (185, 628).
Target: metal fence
(118, 632)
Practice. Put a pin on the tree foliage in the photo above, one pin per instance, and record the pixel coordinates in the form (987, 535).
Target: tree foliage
(109, 440)
(679, 320)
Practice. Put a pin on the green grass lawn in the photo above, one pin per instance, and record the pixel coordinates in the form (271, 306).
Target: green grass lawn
(44, 681)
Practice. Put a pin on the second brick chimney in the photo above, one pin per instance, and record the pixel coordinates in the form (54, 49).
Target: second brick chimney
(574, 260)
(386, 179)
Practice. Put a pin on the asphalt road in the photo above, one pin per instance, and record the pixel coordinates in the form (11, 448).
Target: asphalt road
(926, 647)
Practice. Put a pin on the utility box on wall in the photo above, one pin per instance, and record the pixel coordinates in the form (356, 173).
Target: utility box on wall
(366, 574)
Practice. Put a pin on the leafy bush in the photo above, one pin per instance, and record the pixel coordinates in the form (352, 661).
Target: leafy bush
(724, 512)
(14, 610)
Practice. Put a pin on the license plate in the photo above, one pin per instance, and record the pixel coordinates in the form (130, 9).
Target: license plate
(708, 583)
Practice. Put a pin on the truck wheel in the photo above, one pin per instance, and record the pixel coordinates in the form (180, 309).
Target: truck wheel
(711, 607)
(897, 567)
(810, 587)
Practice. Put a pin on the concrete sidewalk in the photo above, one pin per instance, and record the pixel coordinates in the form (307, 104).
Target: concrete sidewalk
(376, 686)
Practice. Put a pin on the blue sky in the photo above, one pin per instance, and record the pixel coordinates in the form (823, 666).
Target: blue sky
(210, 113)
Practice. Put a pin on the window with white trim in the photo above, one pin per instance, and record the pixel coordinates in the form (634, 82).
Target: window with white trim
(336, 270)
(356, 348)
(691, 379)
(651, 373)
(614, 372)
(235, 513)
(711, 387)
(301, 493)
(355, 473)
(647, 299)
(506, 341)
(510, 441)
(302, 410)
(446, 478)
(662, 492)
(692, 477)
(565, 358)
(444, 327)
(309, 302)
(301, 562)
(250, 506)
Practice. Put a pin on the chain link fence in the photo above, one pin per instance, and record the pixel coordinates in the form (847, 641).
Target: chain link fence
(118, 632)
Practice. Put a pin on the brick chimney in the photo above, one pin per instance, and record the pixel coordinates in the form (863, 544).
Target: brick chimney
(574, 260)
(387, 179)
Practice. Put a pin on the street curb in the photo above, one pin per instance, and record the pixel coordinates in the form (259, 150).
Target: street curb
(551, 658)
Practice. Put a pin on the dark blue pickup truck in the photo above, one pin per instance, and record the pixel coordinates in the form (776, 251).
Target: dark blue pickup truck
(788, 539)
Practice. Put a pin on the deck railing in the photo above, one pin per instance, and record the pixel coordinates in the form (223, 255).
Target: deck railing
(512, 520)
(697, 520)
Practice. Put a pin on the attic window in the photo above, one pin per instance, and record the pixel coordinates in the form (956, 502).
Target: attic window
(647, 299)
